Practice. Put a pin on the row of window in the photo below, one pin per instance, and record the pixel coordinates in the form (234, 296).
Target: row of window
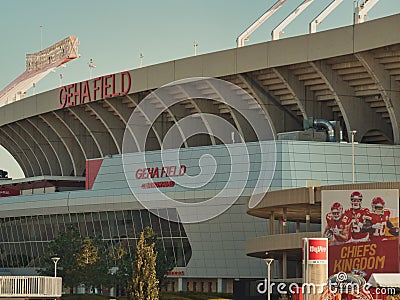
(204, 287)
(23, 239)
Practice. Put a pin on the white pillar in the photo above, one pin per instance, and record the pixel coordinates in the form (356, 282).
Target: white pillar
(182, 284)
(219, 285)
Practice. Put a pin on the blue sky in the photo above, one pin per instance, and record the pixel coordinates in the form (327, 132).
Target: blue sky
(114, 33)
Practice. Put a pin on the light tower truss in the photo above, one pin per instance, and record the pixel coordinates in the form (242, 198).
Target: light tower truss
(38, 65)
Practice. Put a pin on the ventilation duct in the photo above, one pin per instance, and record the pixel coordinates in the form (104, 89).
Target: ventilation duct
(332, 128)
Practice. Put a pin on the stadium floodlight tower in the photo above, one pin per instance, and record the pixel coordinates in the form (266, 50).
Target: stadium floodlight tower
(362, 9)
(38, 66)
(318, 20)
(299, 9)
(246, 34)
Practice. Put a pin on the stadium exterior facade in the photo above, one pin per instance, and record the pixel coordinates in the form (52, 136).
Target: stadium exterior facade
(72, 135)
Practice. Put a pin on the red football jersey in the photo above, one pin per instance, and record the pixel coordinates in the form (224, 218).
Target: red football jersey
(379, 224)
(357, 217)
(337, 227)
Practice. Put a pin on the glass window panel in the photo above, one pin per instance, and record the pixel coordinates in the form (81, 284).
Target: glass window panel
(144, 214)
(155, 224)
(97, 224)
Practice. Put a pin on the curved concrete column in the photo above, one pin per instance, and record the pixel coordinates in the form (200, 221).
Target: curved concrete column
(353, 109)
(113, 125)
(280, 118)
(44, 145)
(17, 154)
(295, 87)
(94, 128)
(33, 163)
(63, 158)
(36, 147)
(388, 87)
(74, 150)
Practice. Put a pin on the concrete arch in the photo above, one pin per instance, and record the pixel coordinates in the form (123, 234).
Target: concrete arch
(172, 112)
(25, 147)
(353, 108)
(44, 144)
(18, 156)
(120, 109)
(113, 126)
(238, 121)
(36, 148)
(146, 119)
(378, 135)
(278, 116)
(79, 133)
(385, 84)
(92, 127)
(62, 157)
(295, 87)
(74, 151)
(187, 106)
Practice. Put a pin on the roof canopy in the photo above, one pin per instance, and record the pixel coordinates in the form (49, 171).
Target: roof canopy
(385, 280)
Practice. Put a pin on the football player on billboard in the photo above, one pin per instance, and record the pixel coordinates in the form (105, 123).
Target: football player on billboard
(357, 215)
(337, 227)
(378, 220)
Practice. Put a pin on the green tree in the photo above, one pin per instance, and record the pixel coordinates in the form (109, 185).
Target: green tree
(89, 253)
(144, 284)
(164, 262)
(92, 263)
(65, 246)
(122, 267)
(82, 260)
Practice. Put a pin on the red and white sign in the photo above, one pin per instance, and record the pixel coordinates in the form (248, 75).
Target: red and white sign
(103, 87)
(175, 273)
(8, 192)
(363, 231)
(317, 251)
(160, 172)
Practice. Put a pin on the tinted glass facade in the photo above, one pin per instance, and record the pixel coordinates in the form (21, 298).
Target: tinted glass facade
(23, 239)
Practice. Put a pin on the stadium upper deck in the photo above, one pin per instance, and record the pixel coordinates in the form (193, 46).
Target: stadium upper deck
(348, 74)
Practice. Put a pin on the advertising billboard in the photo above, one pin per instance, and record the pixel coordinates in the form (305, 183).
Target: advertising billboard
(315, 266)
(317, 251)
(362, 227)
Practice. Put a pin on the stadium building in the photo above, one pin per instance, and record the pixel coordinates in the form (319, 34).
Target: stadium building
(314, 91)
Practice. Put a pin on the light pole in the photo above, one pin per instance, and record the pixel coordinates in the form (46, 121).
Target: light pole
(41, 37)
(353, 132)
(269, 261)
(141, 59)
(55, 261)
(195, 44)
(91, 67)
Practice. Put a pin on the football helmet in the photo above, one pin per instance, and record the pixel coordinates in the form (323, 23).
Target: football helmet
(356, 199)
(377, 205)
(336, 211)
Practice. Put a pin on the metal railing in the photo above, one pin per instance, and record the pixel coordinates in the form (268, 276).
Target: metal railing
(30, 287)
